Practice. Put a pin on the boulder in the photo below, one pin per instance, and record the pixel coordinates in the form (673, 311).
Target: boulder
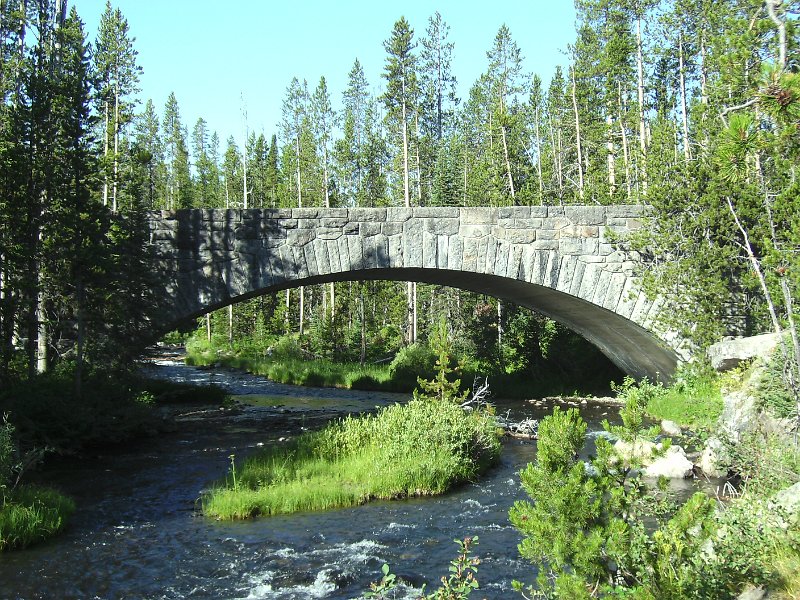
(753, 593)
(713, 460)
(787, 503)
(670, 427)
(673, 465)
(641, 451)
(728, 353)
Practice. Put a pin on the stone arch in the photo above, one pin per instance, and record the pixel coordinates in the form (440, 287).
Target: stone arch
(558, 261)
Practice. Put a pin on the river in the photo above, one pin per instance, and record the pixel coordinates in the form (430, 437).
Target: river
(138, 534)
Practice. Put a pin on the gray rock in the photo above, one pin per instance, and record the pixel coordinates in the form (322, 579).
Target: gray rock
(727, 354)
(714, 461)
(670, 427)
(787, 501)
(753, 593)
(672, 465)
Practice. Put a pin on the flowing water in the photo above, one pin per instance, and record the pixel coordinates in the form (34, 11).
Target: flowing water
(138, 534)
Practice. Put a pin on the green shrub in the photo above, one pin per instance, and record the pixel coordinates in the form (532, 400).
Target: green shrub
(772, 391)
(411, 362)
(8, 452)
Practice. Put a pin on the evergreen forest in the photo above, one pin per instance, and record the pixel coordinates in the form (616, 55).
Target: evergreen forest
(690, 108)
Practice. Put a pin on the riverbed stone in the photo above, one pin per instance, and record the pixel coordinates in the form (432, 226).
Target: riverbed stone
(673, 464)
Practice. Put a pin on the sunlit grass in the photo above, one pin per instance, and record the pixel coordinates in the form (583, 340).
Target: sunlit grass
(418, 449)
(32, 514)
(694, 402)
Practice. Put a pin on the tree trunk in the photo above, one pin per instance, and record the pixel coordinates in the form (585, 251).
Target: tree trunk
(81, 338)
(301, 328)
(685, 116)
(230, 325)
(507, 161)
(640, 92)
(208, 327)
(776, 324)
(772, 9)
(612, 175)
(116, 150)
(539, 157)
(362, 314)
(625, 155)
(105, 154)
(577, 136)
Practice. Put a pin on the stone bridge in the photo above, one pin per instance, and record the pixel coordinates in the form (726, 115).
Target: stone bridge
(556, 260)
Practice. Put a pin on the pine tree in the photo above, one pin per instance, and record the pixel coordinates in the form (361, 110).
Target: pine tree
(177, 191)
(118, 74)
(399, 97)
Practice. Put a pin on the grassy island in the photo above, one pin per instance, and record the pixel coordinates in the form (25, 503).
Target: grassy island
(421, 448)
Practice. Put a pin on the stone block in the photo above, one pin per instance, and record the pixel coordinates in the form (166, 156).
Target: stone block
(368, 228)
(585, 215)
(397, 214)
(552, 270)
(376, 252)
(545, 245)
(356, 252)
(412, 243)
(442, 250)
(478, 216)
(300, 237)
(469, 256)
(301, 266)
(625, 210)
(614, 292)
(395, 245)
(570, 246)
(429, 246)
(555, 223)
(565, 273)
(514, 212)
(344, 254)
(491, 255)
(455, 253)
(435, 212)
(442, 226)
(501, 259)
(333, 223)
(321, 254)
(329, 233)
(474, 230)
(539, 212)
(521, 236)
(351, 229)
(514, 262)
(377, 215)
(334, 259)
(305, 213)
(287, 223)
(391, 228)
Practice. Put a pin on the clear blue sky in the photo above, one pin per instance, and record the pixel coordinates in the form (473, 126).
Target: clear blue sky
(212, 53)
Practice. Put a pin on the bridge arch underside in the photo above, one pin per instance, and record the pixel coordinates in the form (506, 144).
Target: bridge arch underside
(634, 349)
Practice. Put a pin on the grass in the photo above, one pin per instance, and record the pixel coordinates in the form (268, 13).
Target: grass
(696, 404)
(694, 400)
(418, 449)
(32, 514)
